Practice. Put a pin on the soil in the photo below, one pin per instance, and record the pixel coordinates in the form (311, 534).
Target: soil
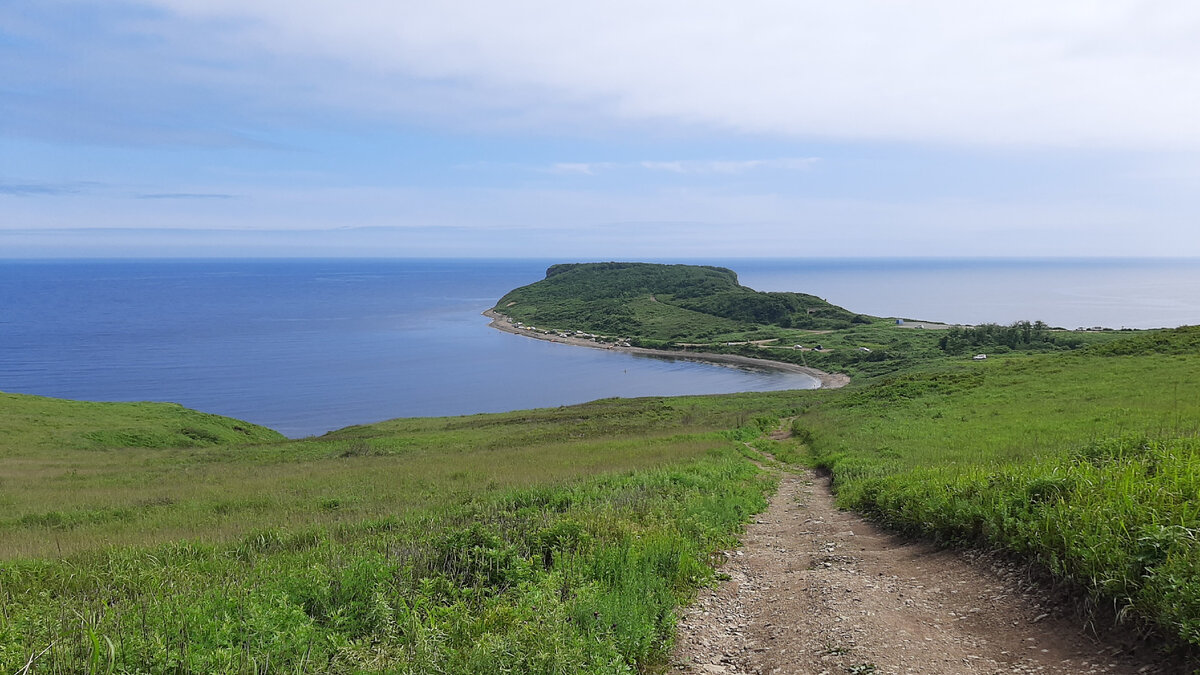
(816, 590)
(827, 380)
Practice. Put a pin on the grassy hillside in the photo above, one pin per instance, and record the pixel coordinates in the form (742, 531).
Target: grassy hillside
(545, 541)
(562, 540)
(35, 423)
(663, 302)
(1085, 462)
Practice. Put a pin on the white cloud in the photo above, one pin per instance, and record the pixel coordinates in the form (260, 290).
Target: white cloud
(687, 166)
(1067, 73)
(731, 167)
(714, 96)
(585, 168)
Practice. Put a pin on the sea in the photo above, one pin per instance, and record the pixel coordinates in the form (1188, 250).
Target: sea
(309, 346)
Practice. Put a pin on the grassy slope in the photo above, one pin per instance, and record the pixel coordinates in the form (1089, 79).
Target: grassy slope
(1086, 462)
(62, 499)
(34, 423)
(704, 309)
(662, 302)
(559, 540)
(554, 540)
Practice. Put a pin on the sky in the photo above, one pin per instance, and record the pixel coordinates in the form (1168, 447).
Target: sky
(620, 129)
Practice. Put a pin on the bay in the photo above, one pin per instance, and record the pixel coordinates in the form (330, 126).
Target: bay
(306, 346)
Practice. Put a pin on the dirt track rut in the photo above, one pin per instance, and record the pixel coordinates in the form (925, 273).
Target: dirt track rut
(815, 590)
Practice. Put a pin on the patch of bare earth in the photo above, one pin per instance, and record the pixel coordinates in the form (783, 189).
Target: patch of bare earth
(815, 590)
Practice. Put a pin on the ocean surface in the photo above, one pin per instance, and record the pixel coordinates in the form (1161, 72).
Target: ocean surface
(1071, 293)
(307, 346)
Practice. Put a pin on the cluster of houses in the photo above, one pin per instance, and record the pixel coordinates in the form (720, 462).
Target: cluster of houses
(568, 334)
(531, 329)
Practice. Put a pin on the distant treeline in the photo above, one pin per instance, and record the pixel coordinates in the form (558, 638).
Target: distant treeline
(1022, 335)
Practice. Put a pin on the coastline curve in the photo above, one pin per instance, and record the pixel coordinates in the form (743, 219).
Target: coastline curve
(826, 380)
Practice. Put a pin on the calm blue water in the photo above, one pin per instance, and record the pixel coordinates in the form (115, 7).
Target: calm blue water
(309, 346)
(1066, 293)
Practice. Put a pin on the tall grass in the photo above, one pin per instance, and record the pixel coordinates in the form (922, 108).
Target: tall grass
(1086, 463)
(563, 579)
(549, 541)
(59, 499)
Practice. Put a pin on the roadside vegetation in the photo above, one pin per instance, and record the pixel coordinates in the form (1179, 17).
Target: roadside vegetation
(545, 541)
(1076, 450)
(1085, 463)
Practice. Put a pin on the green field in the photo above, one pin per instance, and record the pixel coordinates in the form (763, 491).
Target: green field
(142, 537)
(557, 540)
(1087, 463)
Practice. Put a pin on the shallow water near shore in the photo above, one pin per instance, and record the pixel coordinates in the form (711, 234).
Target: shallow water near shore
(306, 346)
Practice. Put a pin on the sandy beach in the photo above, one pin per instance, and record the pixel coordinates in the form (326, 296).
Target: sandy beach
(827, 380)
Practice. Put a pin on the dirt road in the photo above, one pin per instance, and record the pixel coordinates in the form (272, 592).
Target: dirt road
(815, 590)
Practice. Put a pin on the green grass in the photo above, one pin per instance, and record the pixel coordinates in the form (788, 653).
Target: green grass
(34, 424)
(61, 500)
(151, 538)
(556, 540)
(870, 350)
(1084, 462)
(579, 577)
(662, 303)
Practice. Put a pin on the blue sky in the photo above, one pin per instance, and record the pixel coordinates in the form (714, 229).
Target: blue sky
(673, 129)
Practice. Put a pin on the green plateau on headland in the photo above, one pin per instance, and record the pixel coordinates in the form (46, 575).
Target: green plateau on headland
(663, 302)
(696, 308)
(138, 537)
